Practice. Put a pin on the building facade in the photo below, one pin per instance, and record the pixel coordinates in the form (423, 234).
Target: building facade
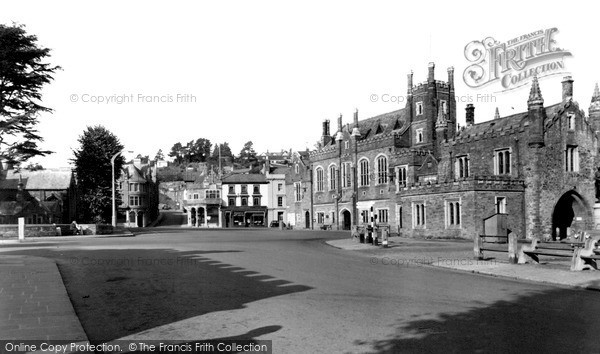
(246, 199)
(41, 197)
(417, 172)
(202, 201)
(299, 191)
(138, 189)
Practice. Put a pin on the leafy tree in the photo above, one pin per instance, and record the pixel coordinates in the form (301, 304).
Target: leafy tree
(225, 151)
(159, 155)
(23, 73)
(199, 150)
(247, 155)
(177, 152)
(94, 173)
(34, 167)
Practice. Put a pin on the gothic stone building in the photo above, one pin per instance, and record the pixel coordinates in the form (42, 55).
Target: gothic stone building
(413, 170)
(138, 189)
(298, 188)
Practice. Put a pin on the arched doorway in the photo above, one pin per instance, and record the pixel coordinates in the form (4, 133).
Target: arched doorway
(346, 220)
(201, 216)
(193, 216)
(140, 219)
(570, 212)
(307, 220)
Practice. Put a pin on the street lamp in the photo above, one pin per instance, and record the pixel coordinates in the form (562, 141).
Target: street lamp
(112, 163)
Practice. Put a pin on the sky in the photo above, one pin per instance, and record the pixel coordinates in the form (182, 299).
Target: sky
(272, 71)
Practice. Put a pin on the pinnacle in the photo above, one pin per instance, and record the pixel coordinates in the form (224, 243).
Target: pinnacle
(535, 95)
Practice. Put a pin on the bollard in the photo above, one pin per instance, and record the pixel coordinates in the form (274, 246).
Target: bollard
(477, 246)
(384, 237)
(21, 229)
(512, 248)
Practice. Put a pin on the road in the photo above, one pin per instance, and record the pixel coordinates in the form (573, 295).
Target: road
(306, 296)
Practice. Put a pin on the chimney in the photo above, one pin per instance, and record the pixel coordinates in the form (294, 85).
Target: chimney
(409, 84)
(470, 114)
(567, 88)
(137, 162)
(430, 77)
(451, 76)
(326, 128)
(339, 135)
(326, 137)
(355, 131)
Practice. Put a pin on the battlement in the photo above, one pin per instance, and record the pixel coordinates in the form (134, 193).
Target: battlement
(422, 87)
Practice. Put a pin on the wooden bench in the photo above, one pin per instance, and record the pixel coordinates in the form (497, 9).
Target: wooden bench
(485, 243)
(586, 257)
(556, 249)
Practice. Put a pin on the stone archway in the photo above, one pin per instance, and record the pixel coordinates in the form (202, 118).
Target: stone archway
(571, 213)
(346, 220)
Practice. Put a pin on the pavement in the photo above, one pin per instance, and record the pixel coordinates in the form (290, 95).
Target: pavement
(34, 304)
(458, 255)
(116, 233)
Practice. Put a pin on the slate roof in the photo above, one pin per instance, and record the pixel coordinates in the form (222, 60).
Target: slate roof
(133, 174)
(244, 178)
(381, 124)
(514, 120)
(51, 179)
(280, 170)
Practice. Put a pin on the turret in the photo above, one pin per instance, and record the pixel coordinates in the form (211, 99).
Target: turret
(451, 104)
(594, 111)
(497, 114)
(441, 129)
(431, 71)
(536, 114)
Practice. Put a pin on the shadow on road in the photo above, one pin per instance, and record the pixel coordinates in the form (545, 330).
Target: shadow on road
(558, 320)
(117, 293)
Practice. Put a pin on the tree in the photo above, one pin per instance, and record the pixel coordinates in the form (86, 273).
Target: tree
(94, 173)
(247, 154)
(177, 152)
(23, 73)
(226, 154)
(159, 155)
(199, 150)
(34, 167)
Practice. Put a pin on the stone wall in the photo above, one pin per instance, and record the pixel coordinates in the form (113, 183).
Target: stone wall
(50, 230)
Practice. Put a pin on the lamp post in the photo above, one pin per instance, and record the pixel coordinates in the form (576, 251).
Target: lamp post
(356, 136)
(112, 163)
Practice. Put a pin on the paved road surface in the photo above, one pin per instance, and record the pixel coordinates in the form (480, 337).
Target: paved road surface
(290, 287)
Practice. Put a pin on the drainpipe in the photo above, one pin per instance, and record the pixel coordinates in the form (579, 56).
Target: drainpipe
(312, 216)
